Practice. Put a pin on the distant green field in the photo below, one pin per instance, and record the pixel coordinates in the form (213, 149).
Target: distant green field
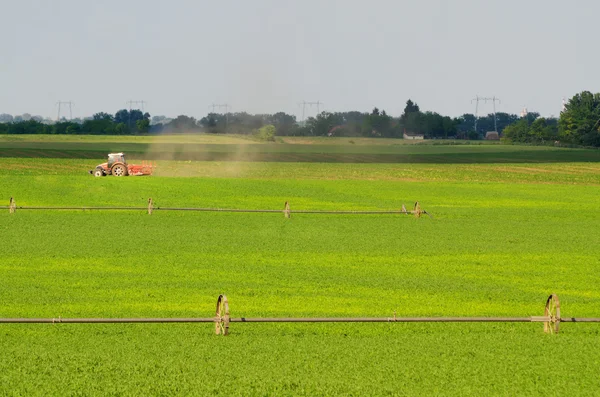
(326, 150)
(503, 237)
(225, 139)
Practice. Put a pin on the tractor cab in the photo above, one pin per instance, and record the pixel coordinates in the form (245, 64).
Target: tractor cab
(114, 158)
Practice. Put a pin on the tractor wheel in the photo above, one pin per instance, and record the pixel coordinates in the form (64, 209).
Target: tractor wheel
(119, 170)
(98, 172)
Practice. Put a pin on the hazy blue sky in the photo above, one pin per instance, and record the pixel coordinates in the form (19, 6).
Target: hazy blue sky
(269, 55)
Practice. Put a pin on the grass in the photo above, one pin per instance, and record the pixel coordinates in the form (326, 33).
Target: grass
(503, 238)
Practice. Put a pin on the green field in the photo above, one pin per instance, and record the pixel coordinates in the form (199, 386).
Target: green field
(503, 237)
(290, 149)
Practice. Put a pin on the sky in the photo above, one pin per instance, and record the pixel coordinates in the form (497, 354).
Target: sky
(264, 56)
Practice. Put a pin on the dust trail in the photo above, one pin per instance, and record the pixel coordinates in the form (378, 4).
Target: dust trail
(178, 155)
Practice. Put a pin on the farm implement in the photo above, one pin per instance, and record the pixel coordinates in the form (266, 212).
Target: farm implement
(118, 166)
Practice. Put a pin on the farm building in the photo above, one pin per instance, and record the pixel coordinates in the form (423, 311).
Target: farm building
(412, 136)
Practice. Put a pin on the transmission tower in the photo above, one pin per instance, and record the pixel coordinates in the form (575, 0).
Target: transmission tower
(69, 104)
(220, 106)
(140, 104)
(478, 99)
(304, 104)
(136, 103)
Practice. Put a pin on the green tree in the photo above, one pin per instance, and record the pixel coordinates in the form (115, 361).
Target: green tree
(579, 122)
(103, 116)
(143, 126)
(182, 124)
(285, 124)
(73, 128)
(517, 132)
(121, 129)
(266, 133)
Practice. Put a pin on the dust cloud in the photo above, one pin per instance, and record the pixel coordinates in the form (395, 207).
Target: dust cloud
(202, 155)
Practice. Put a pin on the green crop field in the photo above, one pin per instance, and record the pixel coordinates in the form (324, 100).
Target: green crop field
(323, 150)
(504, 236)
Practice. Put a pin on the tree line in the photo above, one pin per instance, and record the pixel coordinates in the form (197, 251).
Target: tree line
(578, 124)
(123, 122)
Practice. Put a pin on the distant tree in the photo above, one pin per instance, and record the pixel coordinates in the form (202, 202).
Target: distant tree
(411, 107)
(211, 121)
(321, 125)
(121, 129)
(464, 124)
(143, 126)
(103, 116)
(266, 133)
(130, 119)
(73, 128)
(518, 131)
(157, 119)
(122, 116)
(182, 124)
(27, 127)
(6, 118)
(540, 130)
(284, 124)
(580, 121)
(379, 123)
(411, 120)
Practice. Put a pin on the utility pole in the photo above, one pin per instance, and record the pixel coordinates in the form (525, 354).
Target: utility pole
(478, 99)
(69, 104)
(304, 104)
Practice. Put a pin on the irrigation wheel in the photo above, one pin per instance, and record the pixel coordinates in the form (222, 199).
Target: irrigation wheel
(417, 211)
(552, 310)
(222, 317)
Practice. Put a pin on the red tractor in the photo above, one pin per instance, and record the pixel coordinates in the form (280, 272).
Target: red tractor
(117, 166)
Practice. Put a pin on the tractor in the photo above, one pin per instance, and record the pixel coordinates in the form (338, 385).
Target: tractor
(117, 166)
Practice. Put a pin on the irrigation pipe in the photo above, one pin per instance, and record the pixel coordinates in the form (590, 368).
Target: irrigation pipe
(222, 319)
(286, 211)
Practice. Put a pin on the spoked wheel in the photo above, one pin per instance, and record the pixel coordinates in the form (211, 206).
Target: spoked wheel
(222, 317)
(417, 211)
(98, 172)
(552, 311)
(119, 170)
